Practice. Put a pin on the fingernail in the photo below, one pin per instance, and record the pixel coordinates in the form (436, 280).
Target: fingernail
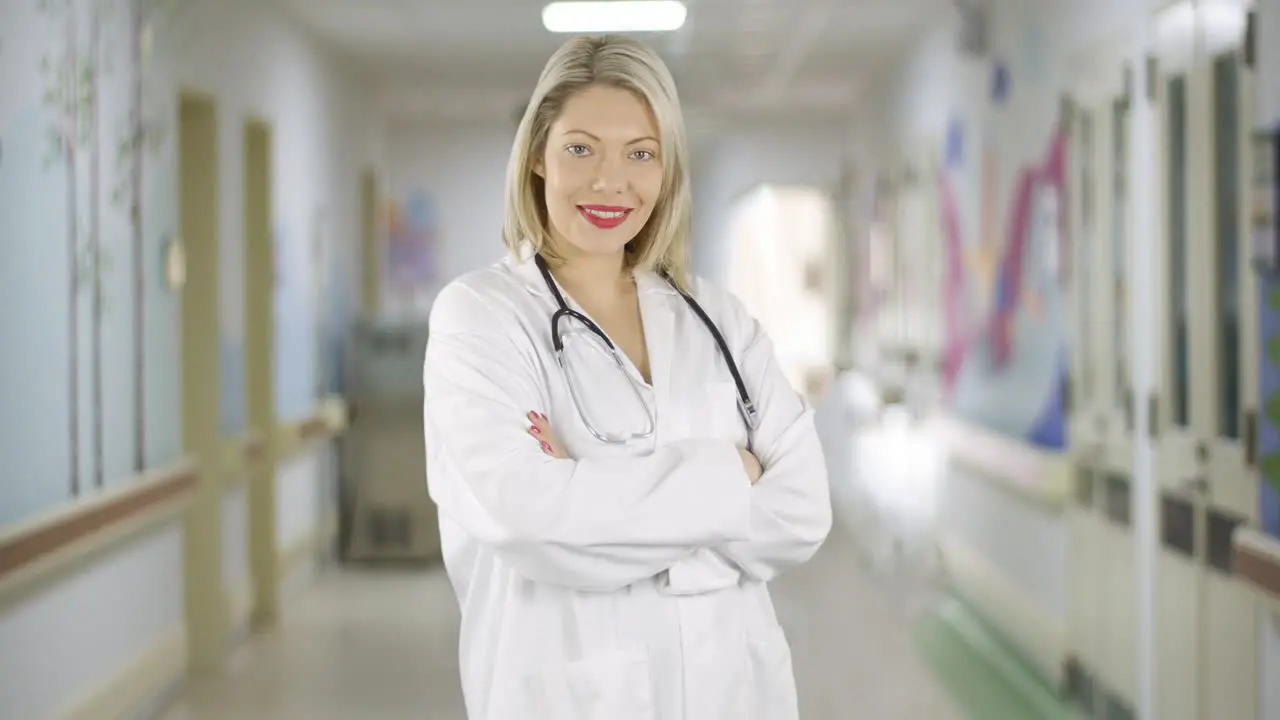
(533, 416)
(535, 431)
(546, 446)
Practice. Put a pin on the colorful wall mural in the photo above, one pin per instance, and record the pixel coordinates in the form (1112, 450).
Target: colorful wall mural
(413, 243)
(1005, 355)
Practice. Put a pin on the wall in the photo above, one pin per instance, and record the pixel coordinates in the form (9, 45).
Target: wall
(938, 96)
(85, 629)
(323, 138)
(733, 159)
(994, 123)
(67, 286)
(463, 168)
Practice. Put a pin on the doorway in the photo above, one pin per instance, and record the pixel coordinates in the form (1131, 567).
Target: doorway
(1205, 405)
(782, 269)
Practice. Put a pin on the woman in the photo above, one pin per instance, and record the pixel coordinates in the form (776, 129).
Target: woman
(609, 524)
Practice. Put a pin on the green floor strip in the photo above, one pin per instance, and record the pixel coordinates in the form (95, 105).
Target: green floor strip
(987, 679)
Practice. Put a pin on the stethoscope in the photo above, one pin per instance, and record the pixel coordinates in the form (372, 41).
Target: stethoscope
(746, 408)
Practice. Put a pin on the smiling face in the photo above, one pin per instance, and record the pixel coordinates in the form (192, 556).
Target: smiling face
(602, 171)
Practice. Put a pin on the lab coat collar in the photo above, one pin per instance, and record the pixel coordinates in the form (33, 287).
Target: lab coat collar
(524, 268)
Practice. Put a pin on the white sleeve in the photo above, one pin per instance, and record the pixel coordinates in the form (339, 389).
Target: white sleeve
(791, 503)
(586, 524)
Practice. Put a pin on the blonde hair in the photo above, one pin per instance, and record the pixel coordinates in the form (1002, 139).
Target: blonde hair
(627, 64)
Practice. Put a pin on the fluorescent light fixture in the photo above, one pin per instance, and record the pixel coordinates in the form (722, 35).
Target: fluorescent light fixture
(615, 16)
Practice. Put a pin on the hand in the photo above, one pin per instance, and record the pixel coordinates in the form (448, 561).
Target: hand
(542, 432)
(751, 464)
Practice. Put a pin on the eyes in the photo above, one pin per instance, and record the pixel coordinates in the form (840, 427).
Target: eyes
(580, 150)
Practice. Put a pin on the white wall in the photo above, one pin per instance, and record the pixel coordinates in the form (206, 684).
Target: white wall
(464, 168)
(325, 134)
(57, 644)
(61, 643)
(730, 161)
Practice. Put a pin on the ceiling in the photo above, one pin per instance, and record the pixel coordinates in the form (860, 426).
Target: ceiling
(472, 59)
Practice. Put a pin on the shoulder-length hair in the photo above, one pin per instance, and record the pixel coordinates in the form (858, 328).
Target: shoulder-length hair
(627, 64)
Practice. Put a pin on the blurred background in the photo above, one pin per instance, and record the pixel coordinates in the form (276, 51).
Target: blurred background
(1020, 254)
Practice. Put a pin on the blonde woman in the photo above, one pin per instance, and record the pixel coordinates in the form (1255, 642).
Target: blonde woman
(619, 463)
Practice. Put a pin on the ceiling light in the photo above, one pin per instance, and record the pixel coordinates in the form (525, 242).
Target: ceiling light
(614, 16)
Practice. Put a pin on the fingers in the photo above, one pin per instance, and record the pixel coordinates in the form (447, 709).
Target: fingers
(540, 430)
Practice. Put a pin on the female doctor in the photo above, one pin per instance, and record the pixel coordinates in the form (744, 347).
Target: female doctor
(619, 463)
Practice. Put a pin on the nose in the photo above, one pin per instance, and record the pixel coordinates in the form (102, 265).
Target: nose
(610, 176)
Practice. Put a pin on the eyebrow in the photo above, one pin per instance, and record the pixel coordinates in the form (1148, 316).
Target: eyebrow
(593, 137)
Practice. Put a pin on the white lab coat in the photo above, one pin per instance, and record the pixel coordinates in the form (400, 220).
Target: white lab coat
(627, 583)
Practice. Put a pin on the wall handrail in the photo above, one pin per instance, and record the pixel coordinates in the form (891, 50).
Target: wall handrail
(1039, 475)
(327, 421)
(44, 545)
(1255, 557)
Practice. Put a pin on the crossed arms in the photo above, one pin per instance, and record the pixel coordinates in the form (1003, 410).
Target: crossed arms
(602, 524)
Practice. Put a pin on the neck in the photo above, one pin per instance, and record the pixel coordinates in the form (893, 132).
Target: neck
(593, 279)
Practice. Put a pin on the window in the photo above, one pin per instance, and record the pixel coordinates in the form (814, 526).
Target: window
(1119, 248)
(1226, 142)
(1177, 226)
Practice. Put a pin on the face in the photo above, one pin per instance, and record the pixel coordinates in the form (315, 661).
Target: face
(602, 169)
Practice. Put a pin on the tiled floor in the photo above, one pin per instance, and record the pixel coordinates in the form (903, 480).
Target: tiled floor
(381, 644)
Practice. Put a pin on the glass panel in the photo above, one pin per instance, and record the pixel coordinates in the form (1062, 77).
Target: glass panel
(1226, 142)
(1084, 269)
(1222, 526)
(1178, 525)
(1177, 225)
(1119, 249)
(1117, 500)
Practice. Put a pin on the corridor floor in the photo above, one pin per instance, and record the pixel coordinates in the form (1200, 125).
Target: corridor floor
(382, 644)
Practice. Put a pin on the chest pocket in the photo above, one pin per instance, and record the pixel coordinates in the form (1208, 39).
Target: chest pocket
(714, 413)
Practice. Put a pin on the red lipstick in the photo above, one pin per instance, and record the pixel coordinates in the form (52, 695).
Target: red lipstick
(605, 217)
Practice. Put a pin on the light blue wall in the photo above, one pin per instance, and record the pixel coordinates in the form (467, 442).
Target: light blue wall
(39, 352)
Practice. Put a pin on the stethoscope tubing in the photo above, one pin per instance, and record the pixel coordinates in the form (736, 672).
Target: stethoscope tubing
(746, 407)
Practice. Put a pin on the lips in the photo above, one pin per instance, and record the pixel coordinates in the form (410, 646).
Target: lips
(605, 217)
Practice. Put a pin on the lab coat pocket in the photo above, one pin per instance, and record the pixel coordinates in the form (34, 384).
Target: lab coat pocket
(773, 678)
(613, 686)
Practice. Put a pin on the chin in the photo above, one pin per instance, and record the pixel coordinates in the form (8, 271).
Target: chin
(595, 242)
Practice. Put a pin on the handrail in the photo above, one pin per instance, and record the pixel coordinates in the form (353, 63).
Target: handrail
(1255, 557)
(329, 419)
(1041, 476)
(38, 545)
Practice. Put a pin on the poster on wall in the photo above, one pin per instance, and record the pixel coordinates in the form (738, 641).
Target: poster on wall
(413, 244)
(1003, 199)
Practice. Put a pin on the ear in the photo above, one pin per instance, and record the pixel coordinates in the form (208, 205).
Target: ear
(540, 169)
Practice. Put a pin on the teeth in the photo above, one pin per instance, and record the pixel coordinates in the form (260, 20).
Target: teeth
(604, 215)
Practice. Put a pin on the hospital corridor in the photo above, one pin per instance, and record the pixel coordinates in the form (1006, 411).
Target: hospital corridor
(639, 360)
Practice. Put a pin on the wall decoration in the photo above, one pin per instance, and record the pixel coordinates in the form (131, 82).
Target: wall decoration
(412, 244)
(91, 72)
(1004, 360)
